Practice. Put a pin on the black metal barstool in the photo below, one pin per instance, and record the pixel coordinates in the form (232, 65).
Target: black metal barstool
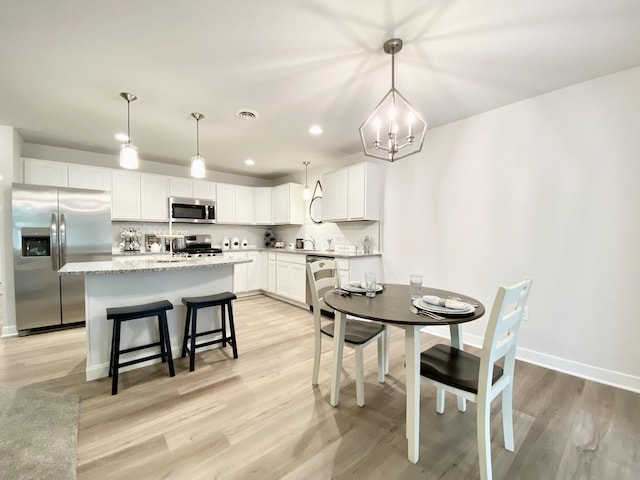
(122, 314)
(193, 304)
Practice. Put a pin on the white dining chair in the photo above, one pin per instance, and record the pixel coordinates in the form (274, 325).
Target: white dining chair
(479, 379)
(322, 276)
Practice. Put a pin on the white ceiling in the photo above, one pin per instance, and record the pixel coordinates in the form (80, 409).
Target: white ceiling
(295, 62)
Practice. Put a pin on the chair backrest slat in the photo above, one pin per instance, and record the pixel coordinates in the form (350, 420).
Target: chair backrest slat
(501, 335)
(322, 275)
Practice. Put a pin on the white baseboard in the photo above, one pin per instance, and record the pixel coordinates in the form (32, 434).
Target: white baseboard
(10, 331)
(570, 367)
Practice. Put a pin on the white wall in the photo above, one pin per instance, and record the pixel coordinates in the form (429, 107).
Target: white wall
(10, 147)
(547, 187)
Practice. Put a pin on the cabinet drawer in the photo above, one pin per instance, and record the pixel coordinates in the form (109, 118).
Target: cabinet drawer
(292, 258)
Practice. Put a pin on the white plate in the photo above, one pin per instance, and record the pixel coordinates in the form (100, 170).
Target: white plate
(419, 303)
(351, 288)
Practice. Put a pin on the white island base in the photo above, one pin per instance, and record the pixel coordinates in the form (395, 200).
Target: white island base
(119, 284)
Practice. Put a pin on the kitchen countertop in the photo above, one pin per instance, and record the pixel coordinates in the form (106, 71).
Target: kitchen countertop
(123, 265)
(323, 253)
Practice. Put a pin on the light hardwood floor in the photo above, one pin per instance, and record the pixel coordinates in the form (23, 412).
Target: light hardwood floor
(259, 417)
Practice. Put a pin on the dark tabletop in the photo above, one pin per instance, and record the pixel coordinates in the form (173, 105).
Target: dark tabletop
(393, 305)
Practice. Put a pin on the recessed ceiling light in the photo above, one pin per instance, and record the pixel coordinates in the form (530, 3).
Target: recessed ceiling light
(315, 130)
(249, 162)
(122, 137)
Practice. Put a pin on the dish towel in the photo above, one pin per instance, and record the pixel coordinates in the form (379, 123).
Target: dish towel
(448, 303)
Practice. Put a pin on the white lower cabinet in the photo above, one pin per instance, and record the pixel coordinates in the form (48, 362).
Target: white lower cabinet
(264, 271)
(246, 276)
(291, 276)
(240, 271)
(272, 272)
(253, 271)
(355, 268)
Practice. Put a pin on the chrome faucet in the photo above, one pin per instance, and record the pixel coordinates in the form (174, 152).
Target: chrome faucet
(312, 240)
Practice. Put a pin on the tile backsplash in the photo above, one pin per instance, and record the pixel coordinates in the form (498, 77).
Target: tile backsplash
(347, 233)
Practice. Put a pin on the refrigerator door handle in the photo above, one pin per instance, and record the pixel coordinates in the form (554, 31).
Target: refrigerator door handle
(54, 243)
(63, 240)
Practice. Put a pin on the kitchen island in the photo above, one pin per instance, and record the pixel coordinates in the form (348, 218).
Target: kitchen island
(123, 282)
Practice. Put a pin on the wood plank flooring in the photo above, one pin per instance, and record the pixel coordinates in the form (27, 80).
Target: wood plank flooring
(259, 417)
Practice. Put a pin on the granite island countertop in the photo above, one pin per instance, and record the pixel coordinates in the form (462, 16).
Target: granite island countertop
(152, 264)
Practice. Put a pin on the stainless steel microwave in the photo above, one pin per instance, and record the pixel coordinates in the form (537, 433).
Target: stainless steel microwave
(191, 210)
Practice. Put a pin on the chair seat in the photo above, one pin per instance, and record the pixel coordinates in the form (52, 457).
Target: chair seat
(209, 300)
(356, 332)
(139, 311)
(454, 367)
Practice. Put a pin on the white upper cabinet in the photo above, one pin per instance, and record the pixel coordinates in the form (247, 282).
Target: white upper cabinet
(60, 174)
(353, 193)
(204, 190)
(125, 195)
(244, 205)
(288, 204)
(139, 196)
(180, 187)
(86, 176)
(225, 203)
(335, 188)
(154, 205)
(46, 172)
(262, 205)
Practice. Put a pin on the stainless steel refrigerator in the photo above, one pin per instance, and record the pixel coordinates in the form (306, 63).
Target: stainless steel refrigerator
(51, 227)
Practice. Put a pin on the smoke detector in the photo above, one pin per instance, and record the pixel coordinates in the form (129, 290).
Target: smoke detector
(246, 114)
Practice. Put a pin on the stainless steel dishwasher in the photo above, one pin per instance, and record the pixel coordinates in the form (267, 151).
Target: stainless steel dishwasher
(310, 259)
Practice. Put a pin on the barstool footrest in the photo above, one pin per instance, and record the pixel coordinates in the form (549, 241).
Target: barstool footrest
(140, 360)
(141, 347)
(229, 340)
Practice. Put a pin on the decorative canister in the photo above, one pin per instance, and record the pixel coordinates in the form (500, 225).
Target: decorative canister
(235, 243)
(225, 243)
(244, 243)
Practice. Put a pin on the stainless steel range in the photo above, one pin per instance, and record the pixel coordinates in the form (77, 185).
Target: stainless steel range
(198, 246)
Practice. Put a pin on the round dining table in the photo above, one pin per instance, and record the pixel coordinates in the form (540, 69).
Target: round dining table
(393, 306)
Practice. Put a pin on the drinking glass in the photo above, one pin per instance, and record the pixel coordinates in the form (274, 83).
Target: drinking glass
(370, 282)
(415, 282)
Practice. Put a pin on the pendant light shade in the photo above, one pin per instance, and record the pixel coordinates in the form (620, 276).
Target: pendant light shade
(198, 169)
(306, 194)
(394, 130)
(128, 151)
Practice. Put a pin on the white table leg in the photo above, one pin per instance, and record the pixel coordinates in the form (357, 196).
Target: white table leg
(412, 357)
(456, 341)
(338, 345)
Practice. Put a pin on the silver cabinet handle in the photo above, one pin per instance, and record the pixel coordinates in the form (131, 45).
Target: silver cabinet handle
(54, 242)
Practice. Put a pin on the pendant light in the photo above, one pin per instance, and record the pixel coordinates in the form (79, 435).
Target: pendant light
(128, 151)
(405, 128)
(198, 169)
(306, 193)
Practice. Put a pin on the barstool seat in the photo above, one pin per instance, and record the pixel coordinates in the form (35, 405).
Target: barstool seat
(189, 345)
(122, 314)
